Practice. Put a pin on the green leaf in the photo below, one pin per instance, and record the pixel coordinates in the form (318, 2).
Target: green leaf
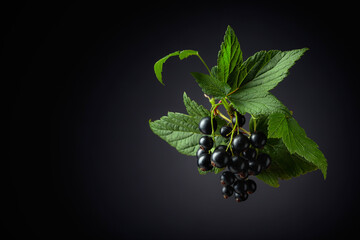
(284, 165)
(211, 86)
(180, 131)
(261, 73)
(193, 108)
(271, 68)
(295, 139)
(186, 53)
(158, 66)
(253, 64)
(229, 56)
(256, 103)
(261, 124)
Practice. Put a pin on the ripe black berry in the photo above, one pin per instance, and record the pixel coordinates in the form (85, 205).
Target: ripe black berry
(220, 158)
(258, 139)
(238, 165)
(240, 186)
(225, 131)
(227, 191)
(249, 153)
(243, 175)
(200, 152)
(251, 186)
(227, 178)
(241, 119)
(206, 142)
(221, 147)
(254, 167)
(240, 143)
(205, 125)
(240, 197)
(204, 162)
(264, 160)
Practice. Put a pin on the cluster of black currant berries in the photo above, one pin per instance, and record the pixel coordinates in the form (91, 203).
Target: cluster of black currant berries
(241, 160)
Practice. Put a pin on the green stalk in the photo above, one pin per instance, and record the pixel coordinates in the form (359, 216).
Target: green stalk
(204, 63)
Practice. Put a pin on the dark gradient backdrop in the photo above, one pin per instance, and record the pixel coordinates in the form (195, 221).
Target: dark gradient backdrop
(83, 161)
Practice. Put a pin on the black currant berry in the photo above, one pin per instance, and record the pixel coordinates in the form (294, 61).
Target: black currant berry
(251, 186)
(240, 186)
(258, 139)
(220, 158)
(227, 191)
(241, 119)
(205, 125)
(240, 197)
(204, 162)
(238, 165)
(240, 142)
(254, 167)
(249, 153)
(225, 131)
(243, 175)
(264, 160)
(221, 147)
(227, 178)
(200, 152)
(206, 142)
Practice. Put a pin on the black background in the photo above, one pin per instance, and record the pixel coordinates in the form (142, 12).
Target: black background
(79, 88)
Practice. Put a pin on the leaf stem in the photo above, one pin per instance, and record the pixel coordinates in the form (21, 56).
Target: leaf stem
(254, 120)
(204, 63)
(232, 92)
(244, 130)
(223, 116)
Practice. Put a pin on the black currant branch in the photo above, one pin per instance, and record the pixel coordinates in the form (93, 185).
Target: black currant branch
(240, 154)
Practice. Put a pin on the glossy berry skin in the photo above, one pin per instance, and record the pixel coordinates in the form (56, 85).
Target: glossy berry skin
(249, 153)
(204, 162)
(241, 119)
(206, 142)
(240, 186)
(238, 165)
(200, 152)
(243, 175)
(240, 143)
(220, 158)
(264, 160)
(251, 186)
(221, 147)
(227, 191)
(258, 139)
(205, 125)
(227, 178)
(254, 167)
(225, 131)
(240, 197)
